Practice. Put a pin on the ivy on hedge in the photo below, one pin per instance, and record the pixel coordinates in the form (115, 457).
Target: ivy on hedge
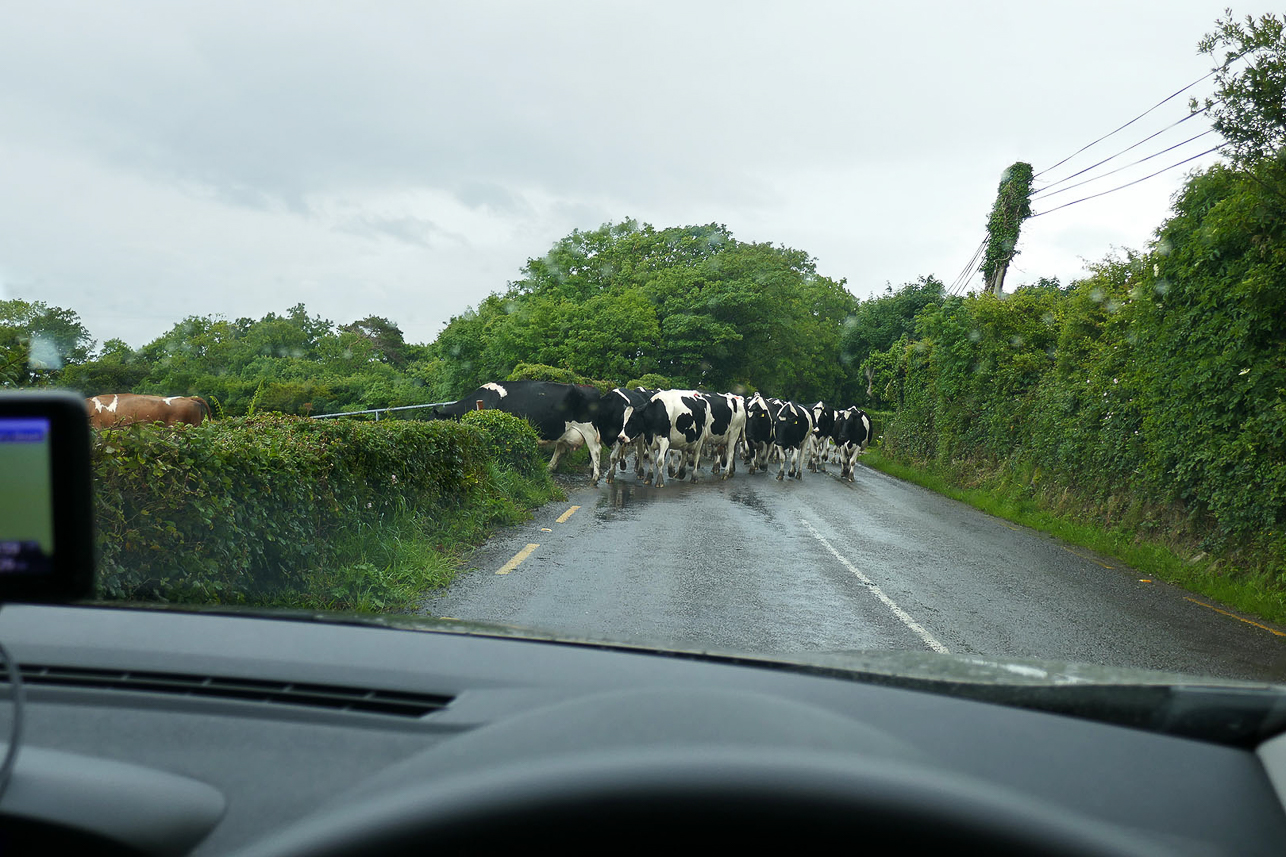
(226, 509)
(1161, 376)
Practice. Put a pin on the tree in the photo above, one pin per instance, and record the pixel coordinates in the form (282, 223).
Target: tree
(1248, 107)
(384, 336)
(877, 324)
(38, 340)
(1013, 206)
(687, 302)
(116, 369)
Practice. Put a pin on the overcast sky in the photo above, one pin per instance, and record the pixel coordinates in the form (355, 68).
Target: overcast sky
(166, 159)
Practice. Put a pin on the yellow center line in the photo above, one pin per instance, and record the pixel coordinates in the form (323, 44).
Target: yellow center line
(1083, 556)
(517, 559)
(1235, 616)
(562, 519)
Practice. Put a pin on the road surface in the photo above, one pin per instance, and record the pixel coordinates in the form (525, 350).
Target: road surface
(755, 565)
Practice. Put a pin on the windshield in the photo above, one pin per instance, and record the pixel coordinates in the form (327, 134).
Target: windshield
(814, 331)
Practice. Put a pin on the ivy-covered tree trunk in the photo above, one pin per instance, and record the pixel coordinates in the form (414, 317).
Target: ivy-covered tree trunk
(1012, 207)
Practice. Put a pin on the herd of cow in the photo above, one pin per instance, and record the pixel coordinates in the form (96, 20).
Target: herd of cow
(655, 423)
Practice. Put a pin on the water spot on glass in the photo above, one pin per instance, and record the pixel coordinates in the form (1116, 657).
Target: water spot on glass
(44, 354)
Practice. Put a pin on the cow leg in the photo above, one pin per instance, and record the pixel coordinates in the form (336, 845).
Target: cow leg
(559, 447)
(781, 471)
(590, 434)
(662, 459)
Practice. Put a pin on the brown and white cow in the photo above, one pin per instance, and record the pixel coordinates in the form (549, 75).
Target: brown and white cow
(121, 409)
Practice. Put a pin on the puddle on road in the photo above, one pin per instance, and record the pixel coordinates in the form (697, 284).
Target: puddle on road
(751, 501)
(623, 495)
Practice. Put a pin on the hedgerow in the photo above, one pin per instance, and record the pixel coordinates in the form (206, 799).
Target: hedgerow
(238, 510)
(1154, 390)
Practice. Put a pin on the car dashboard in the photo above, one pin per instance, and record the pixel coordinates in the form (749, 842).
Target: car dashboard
(167, 732)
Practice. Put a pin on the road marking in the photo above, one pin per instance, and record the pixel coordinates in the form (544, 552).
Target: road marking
(517, 559)
(929, 640)
(562, 519)
(1235, 616)
(1083, 556)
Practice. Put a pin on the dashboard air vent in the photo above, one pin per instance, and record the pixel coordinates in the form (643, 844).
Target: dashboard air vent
(336, 697)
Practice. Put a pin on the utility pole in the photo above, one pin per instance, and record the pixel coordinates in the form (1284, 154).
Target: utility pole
(1013, 206)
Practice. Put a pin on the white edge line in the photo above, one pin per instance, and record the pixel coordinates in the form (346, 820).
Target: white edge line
(929, 640)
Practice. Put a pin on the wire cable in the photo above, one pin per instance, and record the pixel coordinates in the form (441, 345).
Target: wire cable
(966, 274)
(1122, 152)
(1131, 184)
(1042, 194)
(1175, 94)
(967, 270)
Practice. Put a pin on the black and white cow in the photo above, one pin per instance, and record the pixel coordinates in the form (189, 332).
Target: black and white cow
(793, 433)
(563, 414)
(758, 434)
(852, 434)
(823, 427)
(727, 424)
(614, 411)
(672, 419)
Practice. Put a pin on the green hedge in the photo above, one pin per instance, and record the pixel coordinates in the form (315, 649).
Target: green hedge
(1155, 388)
(225, 510)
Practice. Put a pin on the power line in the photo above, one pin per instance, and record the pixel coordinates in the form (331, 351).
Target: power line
(1042, 194)
(966, 273)
(1118, 154)
(1131, 184)
(967, 270)
(1175, 94)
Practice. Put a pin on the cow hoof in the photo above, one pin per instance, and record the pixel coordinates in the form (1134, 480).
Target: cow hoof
(779, 477)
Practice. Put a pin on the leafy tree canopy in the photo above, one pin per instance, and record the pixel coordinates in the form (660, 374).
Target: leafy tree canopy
(1248, 107)
(37, 341)
(689, 303)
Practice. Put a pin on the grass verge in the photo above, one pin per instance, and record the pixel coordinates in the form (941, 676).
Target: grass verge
(1256, 593)
(388, 566)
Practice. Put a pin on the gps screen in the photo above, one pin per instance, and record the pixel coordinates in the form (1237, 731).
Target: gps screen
(26, 496)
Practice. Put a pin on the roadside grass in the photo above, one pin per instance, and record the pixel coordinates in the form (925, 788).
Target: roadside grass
(1258, 593)
(388, 566)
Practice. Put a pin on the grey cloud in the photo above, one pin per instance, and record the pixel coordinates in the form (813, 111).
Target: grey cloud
(410, 230)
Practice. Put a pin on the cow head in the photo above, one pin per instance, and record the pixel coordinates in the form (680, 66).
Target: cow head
(641, 421)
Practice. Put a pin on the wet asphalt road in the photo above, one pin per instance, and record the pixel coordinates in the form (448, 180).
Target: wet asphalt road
(755, 565)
